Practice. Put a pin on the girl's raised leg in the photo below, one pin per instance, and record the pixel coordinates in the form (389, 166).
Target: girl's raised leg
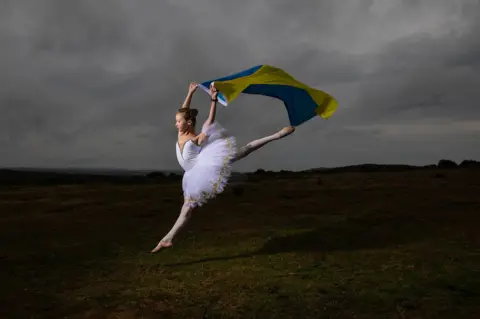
(256, 144)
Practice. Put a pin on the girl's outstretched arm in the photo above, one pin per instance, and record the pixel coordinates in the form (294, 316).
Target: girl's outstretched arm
(213, 106)
(191, 89)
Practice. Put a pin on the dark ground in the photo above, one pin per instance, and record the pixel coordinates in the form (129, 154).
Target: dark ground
(347, 245)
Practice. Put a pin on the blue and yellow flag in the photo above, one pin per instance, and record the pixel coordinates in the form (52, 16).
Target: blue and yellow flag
(301, 101)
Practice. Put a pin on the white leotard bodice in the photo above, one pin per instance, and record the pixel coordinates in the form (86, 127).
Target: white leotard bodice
(188, 156)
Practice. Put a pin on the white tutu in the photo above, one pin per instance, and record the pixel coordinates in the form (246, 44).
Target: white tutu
(212, 169)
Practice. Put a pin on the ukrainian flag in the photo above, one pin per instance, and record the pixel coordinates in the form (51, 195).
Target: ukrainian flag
(301, 101)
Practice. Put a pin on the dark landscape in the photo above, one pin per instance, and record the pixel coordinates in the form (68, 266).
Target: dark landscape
(366, 241)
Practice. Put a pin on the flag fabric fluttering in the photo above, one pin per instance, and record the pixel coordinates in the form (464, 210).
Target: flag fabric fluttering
(301, 101)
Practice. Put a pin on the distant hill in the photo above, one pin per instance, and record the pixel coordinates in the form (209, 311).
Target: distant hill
(372, 168)
(87, 171)
(22, 176)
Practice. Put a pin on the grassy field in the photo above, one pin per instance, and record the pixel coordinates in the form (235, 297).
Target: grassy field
(351, 245)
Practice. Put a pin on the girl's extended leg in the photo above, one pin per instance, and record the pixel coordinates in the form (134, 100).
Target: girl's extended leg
(184, 216)
(255, 145)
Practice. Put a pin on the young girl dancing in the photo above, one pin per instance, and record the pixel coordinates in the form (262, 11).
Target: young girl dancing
(206, 158)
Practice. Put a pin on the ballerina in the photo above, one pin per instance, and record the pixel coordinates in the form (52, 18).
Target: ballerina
(206, 158)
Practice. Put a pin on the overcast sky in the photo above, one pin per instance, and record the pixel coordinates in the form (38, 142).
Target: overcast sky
(97, 83)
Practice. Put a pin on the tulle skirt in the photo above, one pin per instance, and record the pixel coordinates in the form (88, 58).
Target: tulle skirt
(212, 169)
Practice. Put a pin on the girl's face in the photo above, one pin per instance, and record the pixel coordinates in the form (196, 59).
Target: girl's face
(181, 124)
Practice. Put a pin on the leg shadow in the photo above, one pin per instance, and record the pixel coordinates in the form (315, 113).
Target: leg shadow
(367, 232)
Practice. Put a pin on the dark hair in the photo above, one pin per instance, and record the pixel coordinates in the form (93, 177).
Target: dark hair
(189, 114)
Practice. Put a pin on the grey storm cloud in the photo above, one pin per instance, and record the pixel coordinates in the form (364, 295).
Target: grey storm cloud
(96, 83)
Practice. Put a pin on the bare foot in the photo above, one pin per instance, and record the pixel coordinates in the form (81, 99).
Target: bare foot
(286, 131)
(162, 244)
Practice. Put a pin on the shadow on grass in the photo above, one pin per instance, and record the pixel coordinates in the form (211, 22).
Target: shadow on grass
(374, 232)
